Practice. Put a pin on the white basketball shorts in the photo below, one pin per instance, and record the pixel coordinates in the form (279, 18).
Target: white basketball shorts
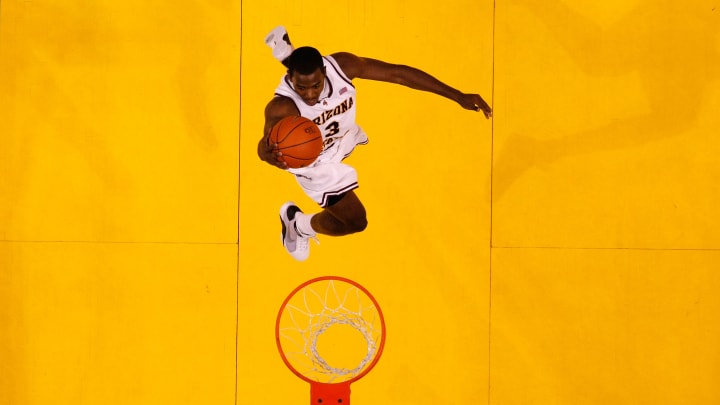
(328, 178)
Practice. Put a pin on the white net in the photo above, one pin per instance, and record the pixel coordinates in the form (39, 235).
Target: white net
(330, 331)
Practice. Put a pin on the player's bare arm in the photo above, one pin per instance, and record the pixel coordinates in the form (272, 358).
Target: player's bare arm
(277, 109)
(373, 69)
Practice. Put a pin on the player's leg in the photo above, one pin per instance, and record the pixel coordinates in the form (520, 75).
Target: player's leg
(344, 217)
(347, 215)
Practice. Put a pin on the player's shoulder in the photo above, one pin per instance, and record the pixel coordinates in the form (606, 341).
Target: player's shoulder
(349, 63)
(281, 105)
(343, 56)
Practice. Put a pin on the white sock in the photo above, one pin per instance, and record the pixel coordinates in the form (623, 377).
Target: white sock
(303, 226)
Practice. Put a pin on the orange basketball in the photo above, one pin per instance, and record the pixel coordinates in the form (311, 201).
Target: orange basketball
(299, 140)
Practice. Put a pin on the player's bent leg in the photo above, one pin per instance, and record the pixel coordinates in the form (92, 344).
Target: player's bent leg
(346, 216)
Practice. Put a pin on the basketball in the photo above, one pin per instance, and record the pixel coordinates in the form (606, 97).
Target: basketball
(299, 140)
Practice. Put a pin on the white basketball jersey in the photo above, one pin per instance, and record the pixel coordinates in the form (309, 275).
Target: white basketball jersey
(334, 113)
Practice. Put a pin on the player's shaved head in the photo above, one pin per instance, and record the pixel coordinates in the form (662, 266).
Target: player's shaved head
(305, 60)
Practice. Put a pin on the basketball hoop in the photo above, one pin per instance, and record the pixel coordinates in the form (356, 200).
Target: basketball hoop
(330, 332)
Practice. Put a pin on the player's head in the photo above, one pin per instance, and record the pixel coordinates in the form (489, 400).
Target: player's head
(306, 71)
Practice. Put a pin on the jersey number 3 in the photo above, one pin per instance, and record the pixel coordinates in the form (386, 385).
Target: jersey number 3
(332, 129)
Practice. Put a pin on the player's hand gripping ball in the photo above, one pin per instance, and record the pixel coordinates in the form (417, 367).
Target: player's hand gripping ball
(298, 139)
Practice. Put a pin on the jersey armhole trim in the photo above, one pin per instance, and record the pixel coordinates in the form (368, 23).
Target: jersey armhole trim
(331, 61)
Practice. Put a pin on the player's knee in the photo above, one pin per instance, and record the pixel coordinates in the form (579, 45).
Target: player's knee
(357, 224)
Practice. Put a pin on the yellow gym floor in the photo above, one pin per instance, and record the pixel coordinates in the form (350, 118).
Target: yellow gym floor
(567, 251)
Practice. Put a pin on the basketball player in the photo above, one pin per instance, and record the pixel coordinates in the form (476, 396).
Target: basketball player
(321, 89)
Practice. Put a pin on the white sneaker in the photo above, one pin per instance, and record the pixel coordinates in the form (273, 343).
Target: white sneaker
(279, 41)
(295, 244)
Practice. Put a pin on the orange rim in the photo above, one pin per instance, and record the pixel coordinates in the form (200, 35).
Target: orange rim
(381, 346)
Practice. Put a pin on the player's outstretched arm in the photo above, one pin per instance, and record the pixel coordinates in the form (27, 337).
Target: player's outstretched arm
(277, 109)
(373, 69)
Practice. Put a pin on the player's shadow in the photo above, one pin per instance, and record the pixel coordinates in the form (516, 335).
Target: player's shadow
(671, 46)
